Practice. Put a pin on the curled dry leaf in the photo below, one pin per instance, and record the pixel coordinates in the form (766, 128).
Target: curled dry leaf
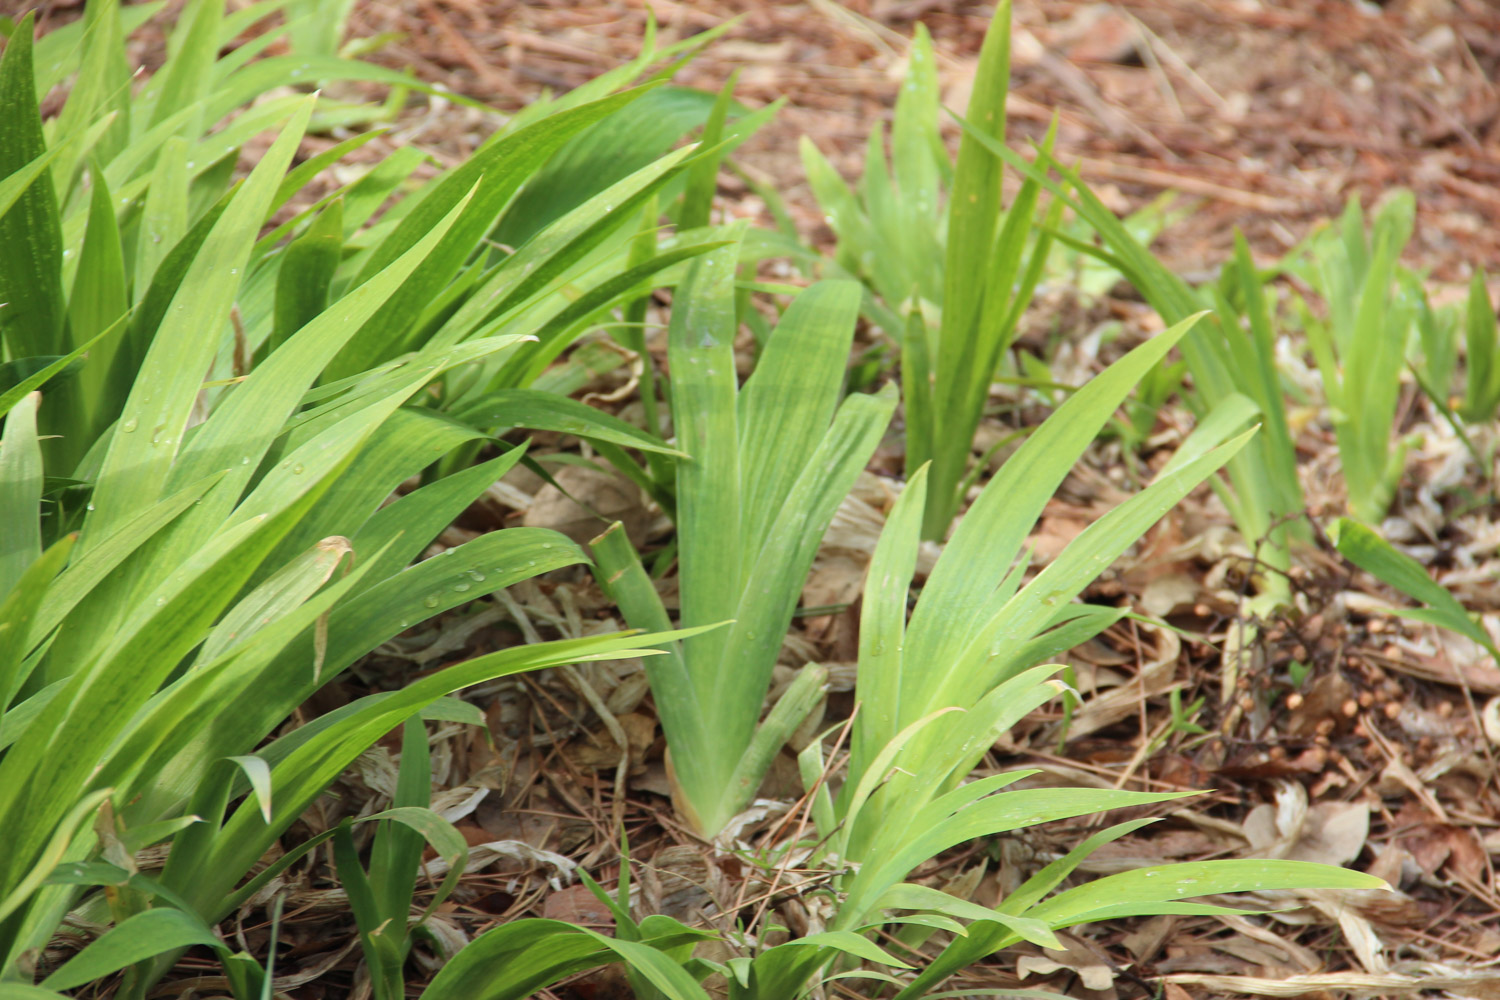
(1167, 593)
(1491, 718)
(576, 904)
(682, 882)
(593, 499)
(1091, 967)
(1330, 833)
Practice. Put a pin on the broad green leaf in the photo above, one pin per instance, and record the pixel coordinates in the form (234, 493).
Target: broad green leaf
(105, 691)
(702, 181)
(55, 845)
(493, 174)
(372, 615)
(1100, 544)
(18, 608)
(549, 255)
(100, 298)
(1482, 383)
(620, 573)
(243, 426)
(20, 495)
(709, 484)
(409, 441)
(940, 825)
(259, 776)
(409, 523)
(1227, 418)
(167, 739)
(30, 230)
(1373, 554)
(20, 991)
(607, 152)
(557, 328)
(988, 540)
(380, 943)
(164, 217)
(454, 709)
(977, 328)
(503, 409)
(882, 633)
(444, 838)
(193, 47)
(515, 960)
(787, 404)
(974, 206)
(1052, 875)
(262, 75)
(1164, 883)
(87, 572)
(849, 943)
(306, 274)
(302, 775)
(910, 896)
(59, 51)
(139, 937)
(19, 180)
(287, 588)
(140, 458)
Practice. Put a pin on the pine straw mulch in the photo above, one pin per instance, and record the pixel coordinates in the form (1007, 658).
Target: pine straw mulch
(1339, 734)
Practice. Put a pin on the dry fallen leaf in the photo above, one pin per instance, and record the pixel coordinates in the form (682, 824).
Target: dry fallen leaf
(608, 497)
(577, 905)
(1080, 958)
(1329, 833)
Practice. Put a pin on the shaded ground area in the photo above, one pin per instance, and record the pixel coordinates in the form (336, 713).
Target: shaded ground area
(1338, 735)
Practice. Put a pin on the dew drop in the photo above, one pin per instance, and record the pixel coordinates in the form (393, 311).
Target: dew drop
(245, 460)
(129, 426)
(476, 576)
(297, 470)
(89, 507)
(431, 601)
(160, 601)
(460, 587)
